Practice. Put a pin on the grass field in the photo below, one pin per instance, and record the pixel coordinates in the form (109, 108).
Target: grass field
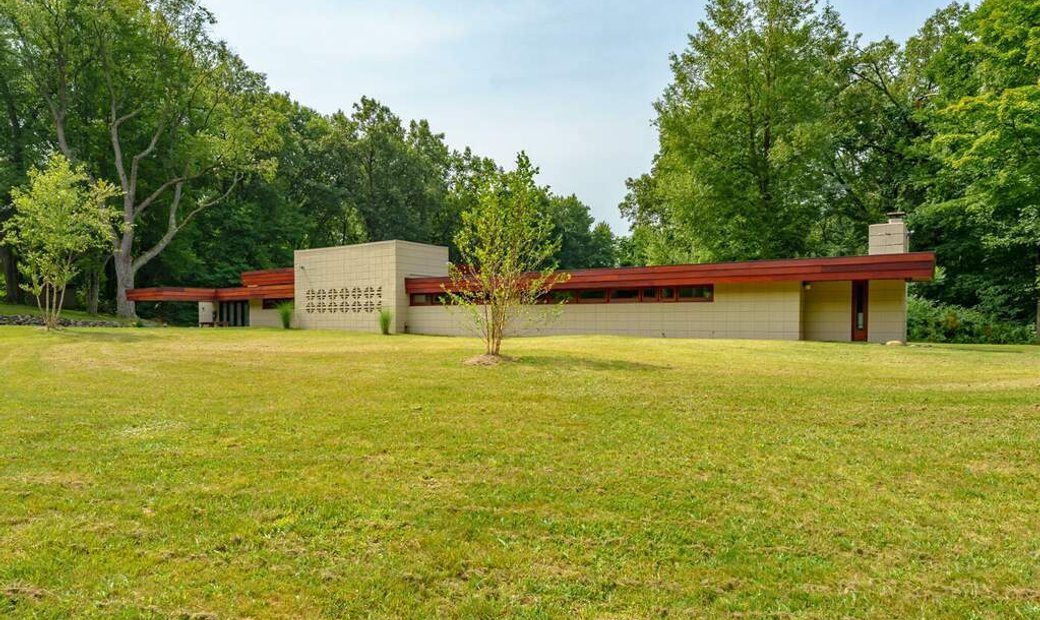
(236, 473)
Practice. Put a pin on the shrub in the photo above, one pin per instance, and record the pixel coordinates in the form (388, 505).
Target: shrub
(930, 321)
(285, 313)
(386, 317)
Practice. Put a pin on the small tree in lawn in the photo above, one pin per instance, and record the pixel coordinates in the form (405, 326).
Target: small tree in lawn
(60, 217)
(506, 251)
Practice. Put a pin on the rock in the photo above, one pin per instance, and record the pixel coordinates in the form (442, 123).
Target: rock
(26, 319)
(894, 343)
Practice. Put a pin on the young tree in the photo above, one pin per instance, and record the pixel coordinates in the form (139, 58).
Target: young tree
(60, 218)
(506, 248)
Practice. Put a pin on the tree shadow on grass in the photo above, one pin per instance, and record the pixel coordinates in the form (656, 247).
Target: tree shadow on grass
(117, 334)
(562, 362)
(976, 348)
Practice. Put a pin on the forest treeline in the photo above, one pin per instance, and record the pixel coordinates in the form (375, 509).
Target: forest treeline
(218, 173)
(781, 135)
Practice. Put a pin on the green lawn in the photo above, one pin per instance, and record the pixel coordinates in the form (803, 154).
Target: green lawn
(254, 473)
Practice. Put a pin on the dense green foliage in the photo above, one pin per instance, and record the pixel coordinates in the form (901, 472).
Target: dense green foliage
(781, 135)
(218, 174)
(59, 221)
(931, 321)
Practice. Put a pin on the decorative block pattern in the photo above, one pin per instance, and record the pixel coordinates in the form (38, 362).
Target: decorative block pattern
(368, 299)
(345, 287)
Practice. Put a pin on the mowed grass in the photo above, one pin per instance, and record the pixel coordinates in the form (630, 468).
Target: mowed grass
(266, 473)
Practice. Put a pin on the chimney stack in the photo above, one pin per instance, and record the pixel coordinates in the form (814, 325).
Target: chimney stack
(890, 237)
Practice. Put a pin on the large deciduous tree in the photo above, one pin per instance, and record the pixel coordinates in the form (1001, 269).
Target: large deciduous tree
(20, 141)
(138, 90)
(987, 136)
(745, 127)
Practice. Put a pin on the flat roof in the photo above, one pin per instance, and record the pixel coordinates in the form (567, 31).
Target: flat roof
(260, 284)
(917, 266)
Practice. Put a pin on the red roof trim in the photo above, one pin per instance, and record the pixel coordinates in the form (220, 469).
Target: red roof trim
(280, 283)
(169, 293)
(913, 266)
(269, 277)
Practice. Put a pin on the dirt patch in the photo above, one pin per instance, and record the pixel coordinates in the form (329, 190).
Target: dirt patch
(487, 360)
(24, 591)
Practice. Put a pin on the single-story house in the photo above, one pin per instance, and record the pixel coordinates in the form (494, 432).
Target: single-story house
(850, 298)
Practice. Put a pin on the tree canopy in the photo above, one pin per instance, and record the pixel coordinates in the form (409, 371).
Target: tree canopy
(782, 135)
(217, 173)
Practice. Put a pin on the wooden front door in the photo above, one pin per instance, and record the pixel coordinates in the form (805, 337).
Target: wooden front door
(859, 311)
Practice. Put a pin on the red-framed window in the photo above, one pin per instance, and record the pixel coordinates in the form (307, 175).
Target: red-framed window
(624, 296)
(695, 293)
(593, 296)
(272, 304)
(648, 294)
(428, 299)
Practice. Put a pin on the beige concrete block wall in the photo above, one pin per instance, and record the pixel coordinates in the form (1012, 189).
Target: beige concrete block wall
(345, 287)
(754, 311)
(414, 260)
(207, 311)
(886, 311)
(890, 238)
(827, 312)
(258, 317)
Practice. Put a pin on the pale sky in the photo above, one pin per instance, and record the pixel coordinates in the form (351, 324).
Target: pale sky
(572, 83)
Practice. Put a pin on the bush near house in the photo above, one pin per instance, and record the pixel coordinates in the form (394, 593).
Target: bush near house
(930, 321)
(285, 313)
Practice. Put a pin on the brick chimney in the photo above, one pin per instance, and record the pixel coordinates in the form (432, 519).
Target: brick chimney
(890, 237)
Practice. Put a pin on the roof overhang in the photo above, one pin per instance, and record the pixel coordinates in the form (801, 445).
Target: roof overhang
(261, 284)
(917, 266)
(170, 293)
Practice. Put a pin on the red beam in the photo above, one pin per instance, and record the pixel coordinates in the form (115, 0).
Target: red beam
(278, 291)
(185, 294)
(914, 266)
(269, 277)
(171, 293)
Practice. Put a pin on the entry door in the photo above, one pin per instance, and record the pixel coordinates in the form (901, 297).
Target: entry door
(859, 311)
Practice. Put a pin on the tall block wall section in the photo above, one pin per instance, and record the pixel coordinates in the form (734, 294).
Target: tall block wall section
(345, 287)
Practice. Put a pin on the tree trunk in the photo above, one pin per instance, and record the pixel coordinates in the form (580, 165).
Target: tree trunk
(13, 293)
(93, 290)
(124, 282)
